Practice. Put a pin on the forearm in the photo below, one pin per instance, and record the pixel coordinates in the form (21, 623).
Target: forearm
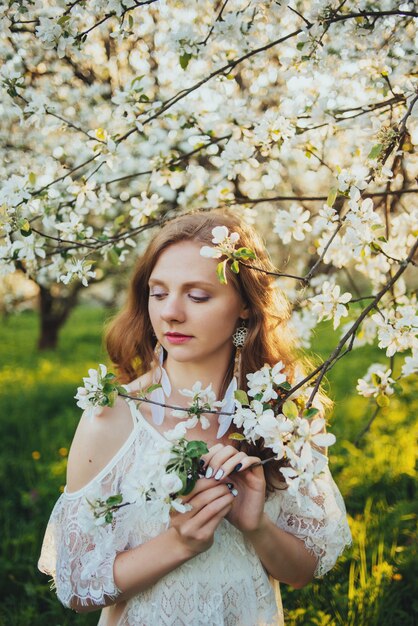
(139, 568)
(284, 556)
(136, 569)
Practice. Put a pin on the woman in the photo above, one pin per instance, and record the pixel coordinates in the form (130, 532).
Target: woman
(209, 565)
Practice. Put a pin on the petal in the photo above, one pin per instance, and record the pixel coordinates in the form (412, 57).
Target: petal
(324, 440)
(210, 253)
(219, 233)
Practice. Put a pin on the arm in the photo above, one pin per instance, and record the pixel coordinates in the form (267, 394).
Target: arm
(308, 535)
(191, 533)
(94, 567)
(295, 565)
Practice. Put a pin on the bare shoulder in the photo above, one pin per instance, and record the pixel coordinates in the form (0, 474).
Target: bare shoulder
(96, 441)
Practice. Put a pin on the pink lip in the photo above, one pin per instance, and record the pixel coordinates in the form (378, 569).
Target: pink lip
(177, 338)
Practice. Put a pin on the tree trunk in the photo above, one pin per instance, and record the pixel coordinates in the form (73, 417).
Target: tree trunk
(54, 311)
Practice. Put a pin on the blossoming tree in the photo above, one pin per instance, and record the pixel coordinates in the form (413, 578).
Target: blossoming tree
(303, 115)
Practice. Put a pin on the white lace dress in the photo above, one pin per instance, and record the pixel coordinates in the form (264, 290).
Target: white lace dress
(224, 586)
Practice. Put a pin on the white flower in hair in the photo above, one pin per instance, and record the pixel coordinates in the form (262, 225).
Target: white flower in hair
(225, 243)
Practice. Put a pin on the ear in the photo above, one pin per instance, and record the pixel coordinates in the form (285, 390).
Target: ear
(245, 312)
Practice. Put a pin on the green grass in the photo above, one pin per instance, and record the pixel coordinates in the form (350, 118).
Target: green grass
(373, 583)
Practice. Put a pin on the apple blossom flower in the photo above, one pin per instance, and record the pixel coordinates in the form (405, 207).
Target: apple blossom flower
(330, 304)
(225, 243)
(376, 381)
(410, 365)
(292, 223)
(78, 269)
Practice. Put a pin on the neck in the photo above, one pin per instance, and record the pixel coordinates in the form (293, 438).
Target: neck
(184, 375)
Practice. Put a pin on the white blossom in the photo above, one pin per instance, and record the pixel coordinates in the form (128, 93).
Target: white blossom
(330, 304)
(78, 269)
(292, 223)
(376, 381)
(410, 365)
(144, 208)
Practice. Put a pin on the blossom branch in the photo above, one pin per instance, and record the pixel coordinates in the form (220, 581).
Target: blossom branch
(326, 365)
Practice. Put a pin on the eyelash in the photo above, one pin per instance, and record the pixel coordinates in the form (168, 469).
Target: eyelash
(196, 299)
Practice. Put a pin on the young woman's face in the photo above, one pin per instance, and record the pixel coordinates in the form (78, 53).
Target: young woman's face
(192, 314)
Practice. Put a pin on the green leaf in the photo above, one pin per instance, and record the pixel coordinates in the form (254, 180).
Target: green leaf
(241, 396)
(236, 437)
(244, 253)
(112, 397)
(184, 60)
(290, 410)
(113, 256)
(32, 178)
(332, 195)
(375, 151)
(376, 380)
(221, 272)
(309, 413)
(137, 79)
(151, 388)
(114, 500)
(109, 517)
(285, 386)
(63, 19)
(195, 449)
(235, 267)
(130, 20)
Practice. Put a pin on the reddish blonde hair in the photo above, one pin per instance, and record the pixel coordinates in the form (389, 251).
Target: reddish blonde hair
(130, 340)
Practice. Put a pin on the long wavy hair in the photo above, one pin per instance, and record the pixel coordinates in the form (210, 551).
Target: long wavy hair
(130, 340)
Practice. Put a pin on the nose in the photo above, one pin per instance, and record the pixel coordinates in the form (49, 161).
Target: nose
(173, 310)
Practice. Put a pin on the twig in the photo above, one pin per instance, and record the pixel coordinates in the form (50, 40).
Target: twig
(367, 427)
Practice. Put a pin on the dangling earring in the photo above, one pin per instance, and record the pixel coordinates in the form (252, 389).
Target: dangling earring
(240, 335)
(238, 339)
(159, 353)
(161, 393)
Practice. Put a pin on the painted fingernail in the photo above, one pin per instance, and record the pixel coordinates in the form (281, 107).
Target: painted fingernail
(237, 467)
(230, 485)
(202, 462)
(209, 472)
(234, 492)
(219, 474)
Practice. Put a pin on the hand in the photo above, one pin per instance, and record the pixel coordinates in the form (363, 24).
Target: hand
(211, 501)
(246, 513)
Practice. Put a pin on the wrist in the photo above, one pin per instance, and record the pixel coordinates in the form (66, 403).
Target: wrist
(183, 550)
(259, 530)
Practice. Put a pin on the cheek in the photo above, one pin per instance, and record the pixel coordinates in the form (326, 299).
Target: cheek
(221, 318)
(152, 312)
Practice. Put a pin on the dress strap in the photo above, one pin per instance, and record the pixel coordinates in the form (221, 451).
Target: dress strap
(132, 406)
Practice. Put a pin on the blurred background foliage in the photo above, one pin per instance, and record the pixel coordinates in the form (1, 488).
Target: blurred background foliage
(373, 584)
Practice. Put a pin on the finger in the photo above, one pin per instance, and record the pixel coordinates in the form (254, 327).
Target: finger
(201, 485)
(246, 463)
(230, 464)
(217, 460)
(214, 509)
(204, 498)
(209, 455)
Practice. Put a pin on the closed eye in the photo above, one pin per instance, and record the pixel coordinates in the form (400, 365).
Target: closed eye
(159, 296)
(198, 298)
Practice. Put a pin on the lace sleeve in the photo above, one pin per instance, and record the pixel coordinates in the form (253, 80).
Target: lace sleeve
(320, 521)
(79, 554)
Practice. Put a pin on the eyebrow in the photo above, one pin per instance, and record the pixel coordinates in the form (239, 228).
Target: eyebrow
(195, 283)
